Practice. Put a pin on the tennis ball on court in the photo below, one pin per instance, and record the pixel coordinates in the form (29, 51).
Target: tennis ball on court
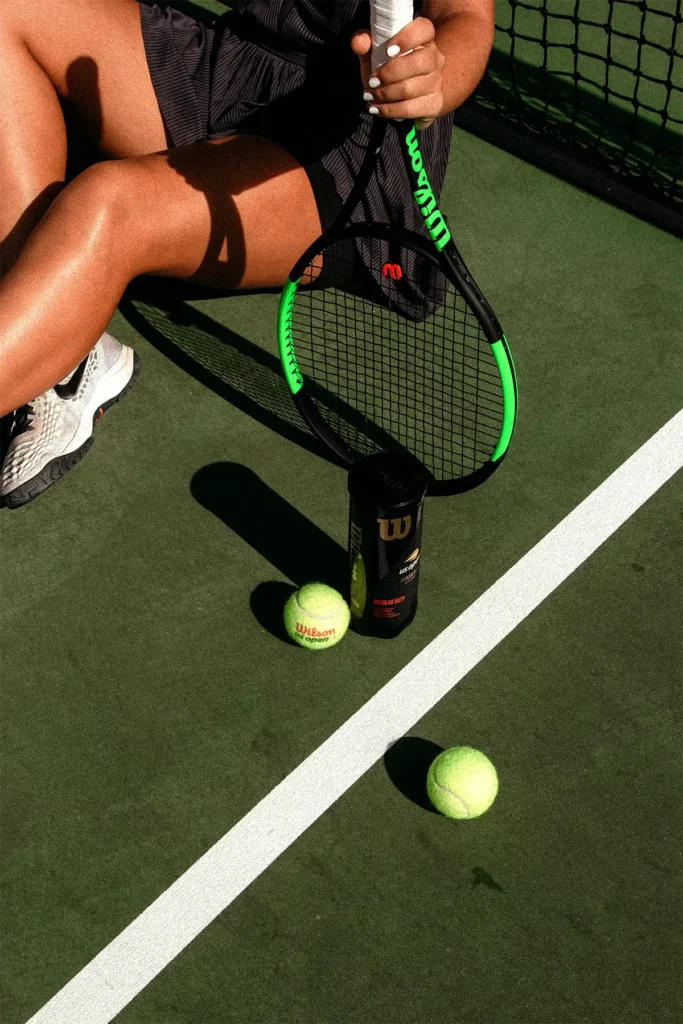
(462, 782)
(316, 616)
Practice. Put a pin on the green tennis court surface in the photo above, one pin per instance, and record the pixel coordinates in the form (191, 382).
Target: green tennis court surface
(149, 701)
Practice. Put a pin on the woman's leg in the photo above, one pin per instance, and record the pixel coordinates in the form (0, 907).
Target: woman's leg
(89, 53)
(236, 213)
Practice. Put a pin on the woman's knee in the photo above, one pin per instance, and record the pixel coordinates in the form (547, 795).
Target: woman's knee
(100, 193)
(199, 214)
(106, 208)
(155, 222)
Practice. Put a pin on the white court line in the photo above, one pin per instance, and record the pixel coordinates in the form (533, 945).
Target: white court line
(133, 959)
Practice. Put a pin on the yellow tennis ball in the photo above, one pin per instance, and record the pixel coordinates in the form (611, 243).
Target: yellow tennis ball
(462, 782)
(316, 616)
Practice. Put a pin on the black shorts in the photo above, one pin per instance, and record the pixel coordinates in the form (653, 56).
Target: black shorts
(227, 79)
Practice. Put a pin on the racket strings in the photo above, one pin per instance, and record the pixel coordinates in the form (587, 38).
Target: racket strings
(401, 366)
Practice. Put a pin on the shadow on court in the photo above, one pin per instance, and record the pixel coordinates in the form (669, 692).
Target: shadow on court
(407, 762)
(216, 356)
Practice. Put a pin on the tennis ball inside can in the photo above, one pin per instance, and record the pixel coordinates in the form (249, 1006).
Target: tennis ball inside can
(359, 587)
(316, 617)
(462, 782)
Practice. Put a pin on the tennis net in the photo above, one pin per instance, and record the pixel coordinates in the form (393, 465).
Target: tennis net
(591, 90)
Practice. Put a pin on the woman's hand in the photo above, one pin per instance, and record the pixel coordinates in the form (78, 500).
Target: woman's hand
(411, 84)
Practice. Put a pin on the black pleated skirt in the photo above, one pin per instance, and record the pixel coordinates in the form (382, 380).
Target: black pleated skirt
(227, 79)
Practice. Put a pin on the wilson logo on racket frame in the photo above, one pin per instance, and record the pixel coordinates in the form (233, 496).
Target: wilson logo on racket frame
(424, 197)
(393, 271)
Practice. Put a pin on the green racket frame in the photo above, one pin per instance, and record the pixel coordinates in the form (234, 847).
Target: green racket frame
(437, 245)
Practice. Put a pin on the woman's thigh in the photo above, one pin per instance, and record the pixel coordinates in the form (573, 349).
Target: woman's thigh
(234, 213)
(93, 53)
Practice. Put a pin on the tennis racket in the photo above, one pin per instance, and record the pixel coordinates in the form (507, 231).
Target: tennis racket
(386, 342)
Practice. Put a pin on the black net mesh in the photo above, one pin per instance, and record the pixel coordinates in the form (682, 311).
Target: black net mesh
(389, 373)
(600, 81)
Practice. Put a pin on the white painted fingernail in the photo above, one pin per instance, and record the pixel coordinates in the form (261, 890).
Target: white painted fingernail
(374, 83)
(393, 50)
(367, 96)
(373, 110)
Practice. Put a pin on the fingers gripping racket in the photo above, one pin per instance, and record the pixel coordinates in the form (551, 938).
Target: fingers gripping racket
(386, 342)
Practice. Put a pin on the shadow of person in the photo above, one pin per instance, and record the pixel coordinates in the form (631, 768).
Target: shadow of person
(82, 110)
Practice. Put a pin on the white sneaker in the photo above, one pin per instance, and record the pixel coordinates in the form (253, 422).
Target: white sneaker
(53, 433)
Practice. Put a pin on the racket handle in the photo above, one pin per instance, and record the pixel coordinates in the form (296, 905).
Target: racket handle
(387, 17)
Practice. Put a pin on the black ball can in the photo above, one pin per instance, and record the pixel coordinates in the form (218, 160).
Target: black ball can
(387, 492)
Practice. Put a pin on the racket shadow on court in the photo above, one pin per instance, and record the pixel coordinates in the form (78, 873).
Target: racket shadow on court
(219, 358)
(291, 543)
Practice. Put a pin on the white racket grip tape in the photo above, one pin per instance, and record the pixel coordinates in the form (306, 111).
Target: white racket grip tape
(387, 17)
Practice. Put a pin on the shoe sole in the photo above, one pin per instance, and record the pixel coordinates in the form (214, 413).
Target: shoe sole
(59, 467)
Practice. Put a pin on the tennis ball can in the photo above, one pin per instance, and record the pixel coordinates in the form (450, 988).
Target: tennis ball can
(387, 492)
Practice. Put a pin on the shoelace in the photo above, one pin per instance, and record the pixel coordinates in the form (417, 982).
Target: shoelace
(23, 419)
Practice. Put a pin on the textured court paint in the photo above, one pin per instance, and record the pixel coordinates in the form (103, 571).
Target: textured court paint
(132, 960)
(507, 378)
